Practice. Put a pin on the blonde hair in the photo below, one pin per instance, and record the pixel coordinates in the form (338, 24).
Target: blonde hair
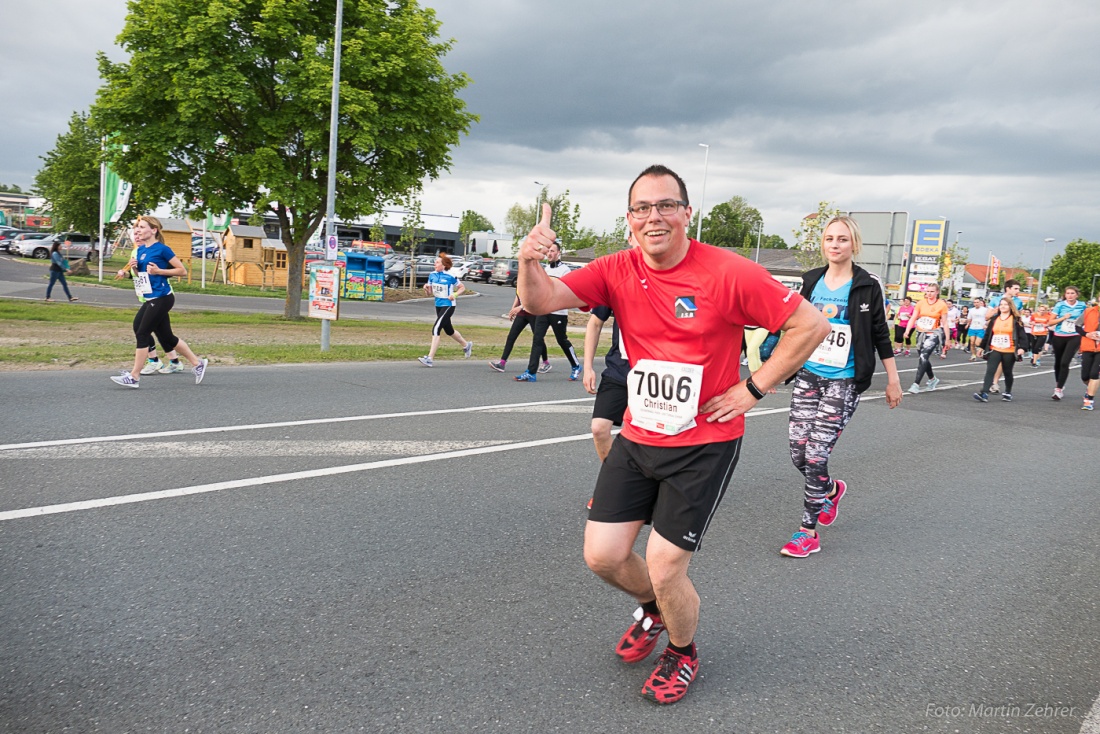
(853, 229)
(152, 222)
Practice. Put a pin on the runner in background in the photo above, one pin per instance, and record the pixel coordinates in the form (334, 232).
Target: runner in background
(826, 390)
(1040, 321)
(930, 319)
(153, 365)
(520, 320)
(952, 327)
(1012, 292)
(901, 320)
(964, 328)
(1003, 345)
(442, 285)
(1064, 337)
(978, 317)
(558, 321)
(154, 264)
(607, 412)
(1090, 354)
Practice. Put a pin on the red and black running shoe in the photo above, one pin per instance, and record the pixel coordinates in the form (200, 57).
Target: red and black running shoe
(641, 638)
(669, 682)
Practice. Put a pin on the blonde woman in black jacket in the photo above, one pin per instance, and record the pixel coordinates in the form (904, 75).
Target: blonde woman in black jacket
(827, 388)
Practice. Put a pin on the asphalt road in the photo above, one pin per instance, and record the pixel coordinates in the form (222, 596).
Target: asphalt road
(26, 279)
(401, 553)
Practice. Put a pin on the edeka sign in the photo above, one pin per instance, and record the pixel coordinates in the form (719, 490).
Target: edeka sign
(924, 257)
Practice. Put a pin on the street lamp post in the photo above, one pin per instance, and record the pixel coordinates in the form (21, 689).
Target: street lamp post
(703, 197)
(1042, 265)
(759, 232)
(538, 201)
(334, 117)
(951, 272)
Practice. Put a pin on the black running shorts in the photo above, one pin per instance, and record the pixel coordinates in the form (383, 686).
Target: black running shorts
(677, 489)
(610, 401)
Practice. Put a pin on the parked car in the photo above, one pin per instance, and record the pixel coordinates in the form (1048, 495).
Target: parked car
(74, 246)
(396, 273)
(459, 269)
(7, 234)
(11, 244)
(211, 251)
(505, 272)
(480, 270)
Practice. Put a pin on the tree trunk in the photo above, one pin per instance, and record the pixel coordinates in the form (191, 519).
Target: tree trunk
(295, 258)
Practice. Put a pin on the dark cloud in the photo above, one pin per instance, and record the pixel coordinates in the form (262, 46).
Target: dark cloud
(985, 112)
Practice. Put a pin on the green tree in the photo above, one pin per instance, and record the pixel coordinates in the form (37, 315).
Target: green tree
(412, 234)
(228, 103)
(1077, 264)
(472, 222)
(732, 224)
(521, 218)
(11, 189)
(614, 240)
(69, 178)
(378, 230)
(773, 242)
(807, 235)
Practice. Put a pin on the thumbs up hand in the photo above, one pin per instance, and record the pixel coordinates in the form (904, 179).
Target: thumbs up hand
(538, 241)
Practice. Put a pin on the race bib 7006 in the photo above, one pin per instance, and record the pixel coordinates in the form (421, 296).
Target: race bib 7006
(664, 396)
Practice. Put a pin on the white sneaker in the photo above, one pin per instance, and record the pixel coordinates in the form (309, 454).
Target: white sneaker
(170, 368)
(125, 379)
(468, 349)
(545, 367)
(914, 388)
(933, 384)
(426, 361)
(151, 366)
(200, 371)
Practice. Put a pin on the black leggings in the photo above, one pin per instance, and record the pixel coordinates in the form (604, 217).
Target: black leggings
(519, 323)
(1006, 360)
(152, 318)
(1090, 367)
(1064, 349)
(538, 346)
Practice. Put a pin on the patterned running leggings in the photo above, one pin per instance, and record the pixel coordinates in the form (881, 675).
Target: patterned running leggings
(928, 343)
(820, 409)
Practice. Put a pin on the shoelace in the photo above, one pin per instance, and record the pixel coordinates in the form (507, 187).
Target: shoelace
(668, 665)
(828, 505)
(800, 538)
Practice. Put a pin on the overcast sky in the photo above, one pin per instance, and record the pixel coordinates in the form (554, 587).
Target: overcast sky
(986, 113)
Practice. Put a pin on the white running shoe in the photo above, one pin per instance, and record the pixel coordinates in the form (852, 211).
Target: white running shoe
(151, 366)
(468, 349)
(200, 371)
(171, 368)
(914, 388)
(933, 384)
(125, 379)
(426, 361)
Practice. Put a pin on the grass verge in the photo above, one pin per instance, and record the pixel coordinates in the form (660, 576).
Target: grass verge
(63, 336)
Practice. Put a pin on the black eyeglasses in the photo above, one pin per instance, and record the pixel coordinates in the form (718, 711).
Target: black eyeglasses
(664, 208)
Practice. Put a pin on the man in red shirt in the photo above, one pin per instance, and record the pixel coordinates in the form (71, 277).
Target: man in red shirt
(681, 307)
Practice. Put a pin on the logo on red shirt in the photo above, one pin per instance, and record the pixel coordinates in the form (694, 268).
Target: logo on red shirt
(685, 307)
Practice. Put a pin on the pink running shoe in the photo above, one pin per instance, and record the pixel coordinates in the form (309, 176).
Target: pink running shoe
(801, 545)
(829, 512)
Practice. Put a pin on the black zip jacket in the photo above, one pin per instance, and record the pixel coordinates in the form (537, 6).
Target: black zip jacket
(867, 314)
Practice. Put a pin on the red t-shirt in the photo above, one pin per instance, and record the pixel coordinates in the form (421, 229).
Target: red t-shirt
(694, 313)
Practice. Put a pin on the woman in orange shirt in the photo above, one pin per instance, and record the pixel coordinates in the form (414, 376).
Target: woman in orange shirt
(1039, 329)
(1090, 353)
(1003, 344)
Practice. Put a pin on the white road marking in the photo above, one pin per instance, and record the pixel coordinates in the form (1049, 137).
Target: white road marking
(276, 478)
(223, 449)
(280, 424)
(314, 473)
